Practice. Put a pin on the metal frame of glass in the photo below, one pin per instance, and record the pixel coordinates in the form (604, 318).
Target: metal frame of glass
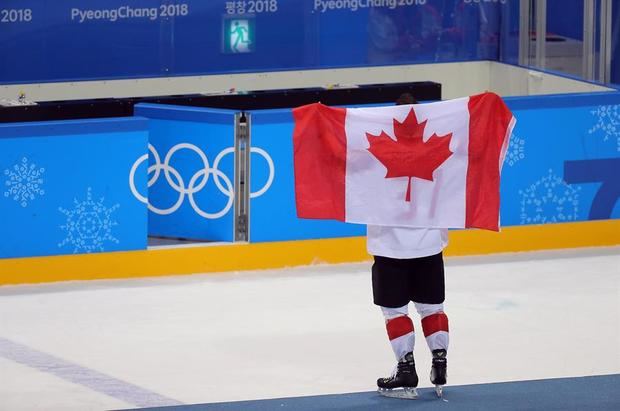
(596, 42)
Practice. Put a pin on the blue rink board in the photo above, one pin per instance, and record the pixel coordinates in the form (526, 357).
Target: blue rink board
(582, 393)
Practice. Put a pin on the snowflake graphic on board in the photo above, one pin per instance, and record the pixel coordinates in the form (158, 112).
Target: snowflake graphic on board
(549, 200)
(89, 224)
(24, 182)
(608, 122)
(516, 150)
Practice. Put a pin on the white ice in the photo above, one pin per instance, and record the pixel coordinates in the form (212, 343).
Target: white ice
(306, 331)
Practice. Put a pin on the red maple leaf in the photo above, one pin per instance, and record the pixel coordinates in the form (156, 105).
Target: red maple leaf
(408, 155)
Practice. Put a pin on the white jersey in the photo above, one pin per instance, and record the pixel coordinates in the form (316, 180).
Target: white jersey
(405, 242)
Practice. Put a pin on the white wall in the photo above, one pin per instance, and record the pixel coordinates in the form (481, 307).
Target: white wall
(508, 80)
(457, 79)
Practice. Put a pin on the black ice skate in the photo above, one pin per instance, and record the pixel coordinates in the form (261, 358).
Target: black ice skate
(403, 382)
(439, 373)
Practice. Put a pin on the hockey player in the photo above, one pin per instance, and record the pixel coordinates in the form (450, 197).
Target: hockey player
(408, 267)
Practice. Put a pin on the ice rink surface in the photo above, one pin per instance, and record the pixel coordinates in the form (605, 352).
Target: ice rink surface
(297, 332)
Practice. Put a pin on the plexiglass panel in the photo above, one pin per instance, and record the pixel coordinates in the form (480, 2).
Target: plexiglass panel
(615, 43)
(110, 39)
(564, 37)
(64, 40)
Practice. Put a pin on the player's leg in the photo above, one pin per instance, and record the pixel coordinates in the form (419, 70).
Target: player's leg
(434, 325)
(400, 330)
(436, 331)
(428, 296)
(390, 294)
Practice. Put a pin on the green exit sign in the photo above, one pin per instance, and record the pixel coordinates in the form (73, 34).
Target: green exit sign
(239, 35)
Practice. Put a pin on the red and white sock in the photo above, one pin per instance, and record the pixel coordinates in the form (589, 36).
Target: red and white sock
(434, 325)
(400, 330)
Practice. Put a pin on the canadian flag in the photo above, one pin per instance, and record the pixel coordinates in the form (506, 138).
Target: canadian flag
(434, 165)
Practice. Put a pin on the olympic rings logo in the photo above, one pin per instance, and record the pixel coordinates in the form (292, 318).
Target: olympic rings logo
(197, 182)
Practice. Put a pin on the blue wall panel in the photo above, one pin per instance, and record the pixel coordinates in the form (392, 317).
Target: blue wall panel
(546, 176)
(81, 186)
(191, 171)
(64, 187)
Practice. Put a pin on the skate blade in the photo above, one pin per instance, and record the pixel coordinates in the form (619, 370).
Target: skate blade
(402, 393)
(439, 392)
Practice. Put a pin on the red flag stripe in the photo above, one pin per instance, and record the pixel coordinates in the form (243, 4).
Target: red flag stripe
(320, 152)
(399, 326)
(489, 128)
(434, 323)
